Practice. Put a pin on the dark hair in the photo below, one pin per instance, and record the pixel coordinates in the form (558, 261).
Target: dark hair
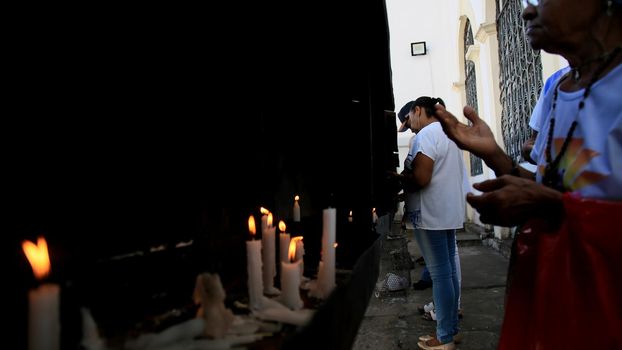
(427, 103)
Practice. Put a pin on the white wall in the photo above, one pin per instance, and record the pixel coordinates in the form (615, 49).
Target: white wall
(431, 74)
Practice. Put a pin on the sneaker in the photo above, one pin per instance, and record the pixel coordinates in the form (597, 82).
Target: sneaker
(429, 316)
(457, 337)
(426, 308)
(435, 344)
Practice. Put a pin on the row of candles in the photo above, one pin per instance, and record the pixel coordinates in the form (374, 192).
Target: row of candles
(44, 311)
(261, 260)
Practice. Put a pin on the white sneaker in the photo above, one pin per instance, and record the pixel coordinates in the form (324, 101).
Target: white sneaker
(428, 307)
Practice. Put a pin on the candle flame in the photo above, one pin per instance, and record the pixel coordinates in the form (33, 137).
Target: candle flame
(251, 226)
(38, 257)
(350, 212)
(270, 219)
(282, 226)
(297, 198)
(335, 245)
(264, 211)
(373, 210)
(292, 251)
(291, 255)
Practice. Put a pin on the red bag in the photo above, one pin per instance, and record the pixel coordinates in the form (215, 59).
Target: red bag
(566, 286)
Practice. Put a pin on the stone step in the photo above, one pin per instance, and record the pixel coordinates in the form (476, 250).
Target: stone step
(465, 238)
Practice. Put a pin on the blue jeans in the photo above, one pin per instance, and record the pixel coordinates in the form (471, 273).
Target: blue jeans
(439, 251)
(425, 274)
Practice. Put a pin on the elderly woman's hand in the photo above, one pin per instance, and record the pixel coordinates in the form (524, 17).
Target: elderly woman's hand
(476, 138)
(510, 201)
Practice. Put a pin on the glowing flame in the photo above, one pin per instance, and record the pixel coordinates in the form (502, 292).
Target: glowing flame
(264, 211)
(293, 242)
(335, 245)
(251, 226)
(270, 220)
(38, 257)
(350, 212)
(282, 226)
(297, 198)
(291, 255)
(373, 210)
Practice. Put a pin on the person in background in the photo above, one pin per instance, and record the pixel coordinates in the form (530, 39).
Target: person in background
(575, 195)
(434, 182)
(425, 280)
(535, 120)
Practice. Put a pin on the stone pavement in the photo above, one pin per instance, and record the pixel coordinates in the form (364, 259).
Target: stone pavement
(392, 321)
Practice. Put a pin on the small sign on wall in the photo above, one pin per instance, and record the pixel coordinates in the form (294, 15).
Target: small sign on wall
(418, 48)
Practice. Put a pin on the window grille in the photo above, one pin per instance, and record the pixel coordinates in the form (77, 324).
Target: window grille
(521, 76)
(470, 84)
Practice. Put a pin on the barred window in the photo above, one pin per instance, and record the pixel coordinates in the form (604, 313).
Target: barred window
(471, 90)
(521, 76)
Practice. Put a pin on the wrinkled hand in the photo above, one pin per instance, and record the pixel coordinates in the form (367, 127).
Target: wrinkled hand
(477, 138)
(510, 201)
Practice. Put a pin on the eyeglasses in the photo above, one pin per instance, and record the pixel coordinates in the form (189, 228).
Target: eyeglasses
(530, 2)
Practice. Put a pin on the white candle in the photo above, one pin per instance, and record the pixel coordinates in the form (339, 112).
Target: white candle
(290, 281)
(253, 267)
(329, 232)
(283, 242)
(374, 216)
(43, 302)
(264, 218)
(326, 275)
(350, 216)
(296, 211)
(268, 256)
(300, 252)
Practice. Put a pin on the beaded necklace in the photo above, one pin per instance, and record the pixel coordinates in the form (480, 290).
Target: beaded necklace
(552, 178)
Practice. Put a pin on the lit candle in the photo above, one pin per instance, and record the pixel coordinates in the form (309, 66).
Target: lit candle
(374, 216)
(296, 209)
(267, 253)
(290, 280)
(43, 312)
(350, 216)
(300, 252)
(283, 241)
(264, 218)
(253, 266)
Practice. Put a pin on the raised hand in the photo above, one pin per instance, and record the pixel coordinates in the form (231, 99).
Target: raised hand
(476, 138)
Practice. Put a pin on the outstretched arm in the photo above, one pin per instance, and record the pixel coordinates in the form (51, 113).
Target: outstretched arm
(506, 200)
(479, 140)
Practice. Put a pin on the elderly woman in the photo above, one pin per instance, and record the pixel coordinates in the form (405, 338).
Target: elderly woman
(566, 290)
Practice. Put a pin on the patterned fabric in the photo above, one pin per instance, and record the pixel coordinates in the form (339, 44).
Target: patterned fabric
(391, 283)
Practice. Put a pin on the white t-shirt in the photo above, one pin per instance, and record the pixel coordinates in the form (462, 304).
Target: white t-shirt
(592, 164)
(441, 204)
(535, 121)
